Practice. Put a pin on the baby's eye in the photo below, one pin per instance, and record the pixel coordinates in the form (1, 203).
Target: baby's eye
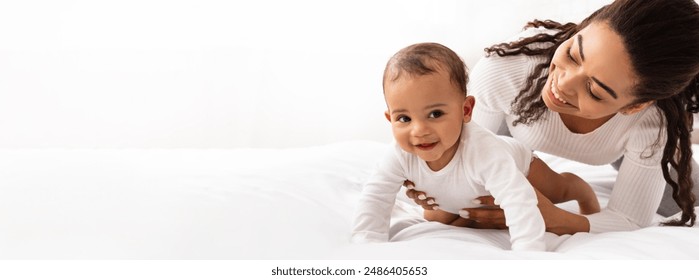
(436, 114)
(403, 119)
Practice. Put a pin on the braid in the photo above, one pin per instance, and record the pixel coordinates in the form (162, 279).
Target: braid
(678, 112)
(691, 96)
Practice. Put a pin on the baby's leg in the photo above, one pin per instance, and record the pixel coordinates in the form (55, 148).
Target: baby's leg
(562, 187)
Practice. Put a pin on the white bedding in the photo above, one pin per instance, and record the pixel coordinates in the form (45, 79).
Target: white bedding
(254, 204)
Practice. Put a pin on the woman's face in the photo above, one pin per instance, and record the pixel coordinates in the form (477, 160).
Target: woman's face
(591, 75)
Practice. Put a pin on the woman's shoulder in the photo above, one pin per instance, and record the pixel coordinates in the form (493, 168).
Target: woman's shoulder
(517, 65)
(498, 79)
(647, 121)
(646, 132)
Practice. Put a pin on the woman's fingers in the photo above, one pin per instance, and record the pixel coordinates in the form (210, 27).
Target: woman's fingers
(481, 225)
(485, 200)
(420, 198)
(488, 218)
(461, 222)
(482, 214)
(412, 194)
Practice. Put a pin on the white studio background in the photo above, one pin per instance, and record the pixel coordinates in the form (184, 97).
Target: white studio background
(225, 74)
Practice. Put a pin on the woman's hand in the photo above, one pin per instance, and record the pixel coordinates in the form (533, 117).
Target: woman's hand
(490, 216)
(557, 220)
(434, 214)
(419, 197)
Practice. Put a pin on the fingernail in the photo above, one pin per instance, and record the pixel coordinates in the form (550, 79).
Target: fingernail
(430, 201)
(421, 197)
(476, 201)
(463, 214)
(435, 207)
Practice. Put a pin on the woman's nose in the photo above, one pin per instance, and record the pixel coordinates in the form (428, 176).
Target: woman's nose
(567, 81)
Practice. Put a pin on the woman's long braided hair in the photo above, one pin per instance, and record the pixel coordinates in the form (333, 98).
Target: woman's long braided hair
(662, 39)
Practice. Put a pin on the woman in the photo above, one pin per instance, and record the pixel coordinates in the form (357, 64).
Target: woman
(623, 83)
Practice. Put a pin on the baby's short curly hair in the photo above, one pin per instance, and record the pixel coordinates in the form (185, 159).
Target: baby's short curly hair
(424, 59)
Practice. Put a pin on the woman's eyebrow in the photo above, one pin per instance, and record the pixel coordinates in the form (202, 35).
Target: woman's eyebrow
(601, 84)
(605, 87)
(580, 49)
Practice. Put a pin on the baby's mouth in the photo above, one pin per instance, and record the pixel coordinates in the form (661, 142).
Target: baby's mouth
(426, 146)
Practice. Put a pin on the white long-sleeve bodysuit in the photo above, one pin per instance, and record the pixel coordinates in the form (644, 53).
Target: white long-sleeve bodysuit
(495, 82)
(484, 164)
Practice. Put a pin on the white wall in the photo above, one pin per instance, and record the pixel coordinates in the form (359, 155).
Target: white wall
(224, 74)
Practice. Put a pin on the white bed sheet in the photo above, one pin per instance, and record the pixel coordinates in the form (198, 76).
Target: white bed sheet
(255, 204)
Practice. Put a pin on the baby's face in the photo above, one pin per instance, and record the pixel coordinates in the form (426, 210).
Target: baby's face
(426, 114)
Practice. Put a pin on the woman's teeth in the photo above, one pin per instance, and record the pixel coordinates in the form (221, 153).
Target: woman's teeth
(554, 90)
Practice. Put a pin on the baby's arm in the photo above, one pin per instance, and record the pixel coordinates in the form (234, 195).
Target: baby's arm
(562, 187)
(373, 214)
(518, 200)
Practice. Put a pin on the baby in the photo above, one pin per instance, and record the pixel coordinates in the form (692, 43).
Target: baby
(439, 149)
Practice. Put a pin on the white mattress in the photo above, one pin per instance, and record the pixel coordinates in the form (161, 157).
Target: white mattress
(255, 204)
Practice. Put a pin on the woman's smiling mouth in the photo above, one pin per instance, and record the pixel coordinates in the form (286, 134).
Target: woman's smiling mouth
(556, 96)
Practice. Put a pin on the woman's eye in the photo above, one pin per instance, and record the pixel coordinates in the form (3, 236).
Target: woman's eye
(570, 56)
(589, 91)
(403, 119)
(436, 114)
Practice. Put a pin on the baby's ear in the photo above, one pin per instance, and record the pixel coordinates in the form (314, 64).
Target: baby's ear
(469, 103)
(387, 115)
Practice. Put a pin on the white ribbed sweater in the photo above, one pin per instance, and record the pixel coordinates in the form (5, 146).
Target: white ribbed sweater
(495, 81)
